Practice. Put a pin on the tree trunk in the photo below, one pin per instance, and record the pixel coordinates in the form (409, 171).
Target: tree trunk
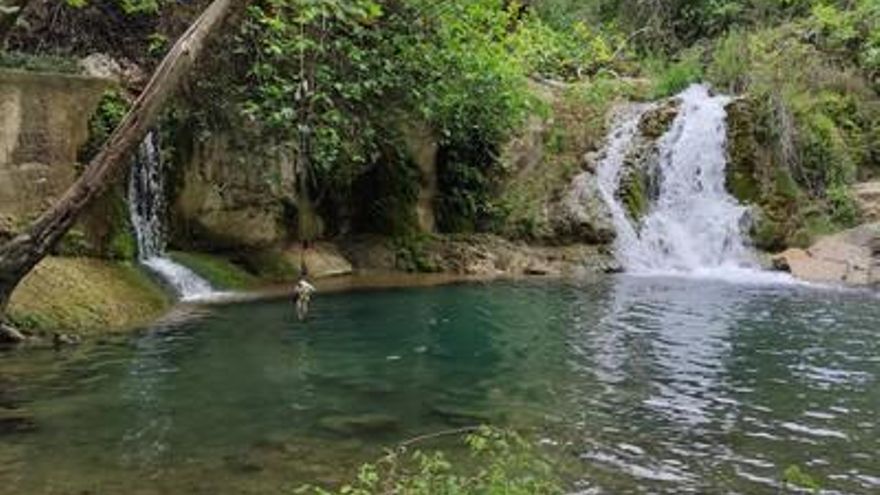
(20, 255)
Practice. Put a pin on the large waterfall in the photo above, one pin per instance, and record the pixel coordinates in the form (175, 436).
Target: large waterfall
(693, 225)
(147, 205)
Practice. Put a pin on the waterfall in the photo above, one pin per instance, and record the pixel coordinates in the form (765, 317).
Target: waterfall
(693, 225)
(147, 207)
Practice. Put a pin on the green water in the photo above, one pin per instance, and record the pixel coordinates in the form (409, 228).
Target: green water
(646, 385)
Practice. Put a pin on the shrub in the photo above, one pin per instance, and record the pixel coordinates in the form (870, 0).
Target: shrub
(499, 463)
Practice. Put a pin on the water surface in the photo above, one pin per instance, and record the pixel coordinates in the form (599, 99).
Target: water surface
(649, 385)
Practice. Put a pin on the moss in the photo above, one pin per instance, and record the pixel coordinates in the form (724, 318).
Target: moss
(86, 296)
(106, 228)
(576, 124)
(111, 109)
(219, 271)
(742, 149)
(657, 122)
(411, 254)
(123, 246)
(633, 191)
(271, 265)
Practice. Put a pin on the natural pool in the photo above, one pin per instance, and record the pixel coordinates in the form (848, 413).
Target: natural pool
(650, 385)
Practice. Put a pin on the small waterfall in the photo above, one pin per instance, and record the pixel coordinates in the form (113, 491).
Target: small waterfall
(692, 225)
(147, 206)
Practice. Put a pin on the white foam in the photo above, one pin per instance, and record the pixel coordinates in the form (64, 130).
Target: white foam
(147, 208)
(694, 228)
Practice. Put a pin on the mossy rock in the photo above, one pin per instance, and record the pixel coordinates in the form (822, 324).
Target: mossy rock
(743, 152)
(657, 122)
(633, 192)
(87, 296)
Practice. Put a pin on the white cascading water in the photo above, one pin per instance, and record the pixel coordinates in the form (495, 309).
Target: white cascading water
(693, 226)
(146, 195)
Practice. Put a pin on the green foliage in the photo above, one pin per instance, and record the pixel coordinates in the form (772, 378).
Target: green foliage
(220, 272)
(319, 81)
(38, 63)
(127, 6)
(410, 254)
(323, 74)
(672, 78)
(794, 476)
(111, 109)
(499, 463)
(122, 246)
(812, 115)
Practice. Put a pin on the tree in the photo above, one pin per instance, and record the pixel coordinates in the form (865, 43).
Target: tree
(21, 254)
(10, 10)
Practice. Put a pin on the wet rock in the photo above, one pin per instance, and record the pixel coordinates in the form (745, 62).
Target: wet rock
(360, 424)
(850, 257)
(63, 339)
(656, 122)
(9, 335)
(537, 269)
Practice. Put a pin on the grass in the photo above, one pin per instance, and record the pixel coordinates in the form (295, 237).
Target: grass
(38, 63)
(219, 271)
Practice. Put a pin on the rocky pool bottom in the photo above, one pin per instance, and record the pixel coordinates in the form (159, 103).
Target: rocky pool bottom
(642, 384)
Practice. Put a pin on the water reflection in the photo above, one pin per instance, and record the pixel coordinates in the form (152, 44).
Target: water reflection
(655, 385)
(709, 384)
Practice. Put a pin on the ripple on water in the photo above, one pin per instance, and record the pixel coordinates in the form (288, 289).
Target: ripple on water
(660, 386)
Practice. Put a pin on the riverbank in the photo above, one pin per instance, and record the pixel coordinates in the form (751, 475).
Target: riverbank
(85, 298)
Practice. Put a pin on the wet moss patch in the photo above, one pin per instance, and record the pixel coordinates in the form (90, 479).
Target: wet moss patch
(86, 296)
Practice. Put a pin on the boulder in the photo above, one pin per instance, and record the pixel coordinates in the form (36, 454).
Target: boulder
(582, 215)
(322, 259)
(9, 335)
(360, 424)
(851, 257)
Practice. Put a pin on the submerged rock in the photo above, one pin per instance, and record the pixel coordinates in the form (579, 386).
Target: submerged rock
(851, 257)
(360, 424)
(16, 421)
(457, 415)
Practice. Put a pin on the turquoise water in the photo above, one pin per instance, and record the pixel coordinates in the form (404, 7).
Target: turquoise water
(646, 385)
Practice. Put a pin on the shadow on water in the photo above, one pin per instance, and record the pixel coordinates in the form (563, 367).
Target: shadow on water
(654, 384)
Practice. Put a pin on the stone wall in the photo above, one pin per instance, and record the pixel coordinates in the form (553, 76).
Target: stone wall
(43, 122)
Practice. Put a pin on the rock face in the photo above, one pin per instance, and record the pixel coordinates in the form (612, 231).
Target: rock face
(323, 260)
(229, 198)
(43, 121)
(581, 215)
(867, 195)
(851, 257)
(423, 148)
